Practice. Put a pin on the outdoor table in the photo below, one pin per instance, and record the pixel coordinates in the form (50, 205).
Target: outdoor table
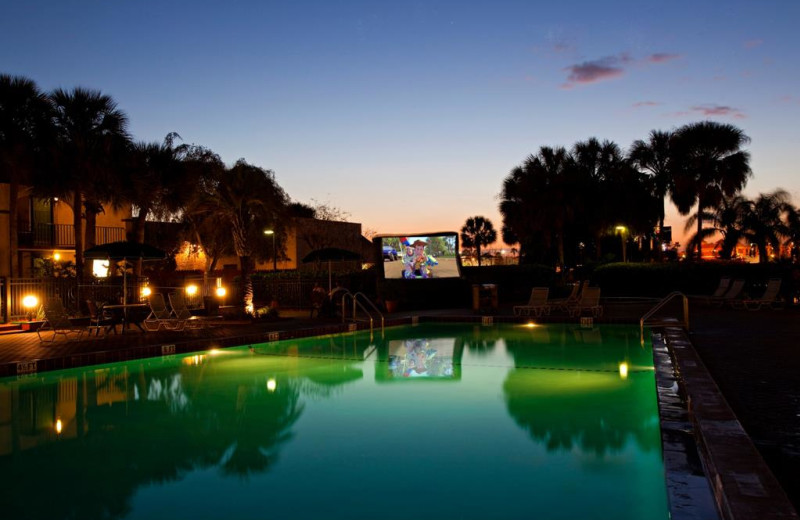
(122, 310)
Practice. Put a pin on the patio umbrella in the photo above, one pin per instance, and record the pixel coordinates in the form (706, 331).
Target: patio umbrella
(330, 254)
(124, 251)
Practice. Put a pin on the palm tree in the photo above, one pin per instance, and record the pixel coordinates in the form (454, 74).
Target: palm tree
(709, 165)
(92, 138)
(246, 200)
(478, 232)
(536, 202)
(25, 127)
(726, 219)
(765, 222)
(654, 157)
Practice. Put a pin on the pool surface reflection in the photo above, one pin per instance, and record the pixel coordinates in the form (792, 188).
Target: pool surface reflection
(432, 421)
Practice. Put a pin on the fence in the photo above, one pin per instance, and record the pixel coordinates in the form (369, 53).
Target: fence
(72, 295)
(289, 293)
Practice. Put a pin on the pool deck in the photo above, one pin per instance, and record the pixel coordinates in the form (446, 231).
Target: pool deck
(752, 358)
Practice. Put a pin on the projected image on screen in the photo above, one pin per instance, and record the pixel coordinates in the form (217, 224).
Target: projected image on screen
(420, 257)
(421, 357)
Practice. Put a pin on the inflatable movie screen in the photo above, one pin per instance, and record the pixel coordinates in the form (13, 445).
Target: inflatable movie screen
(420, 256)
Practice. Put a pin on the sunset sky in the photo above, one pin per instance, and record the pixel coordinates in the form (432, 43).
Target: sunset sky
(408, 115)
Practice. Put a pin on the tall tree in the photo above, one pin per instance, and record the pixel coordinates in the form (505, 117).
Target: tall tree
(726, 219)
(709, 165)
(246, 200)
(654, 157)
(25, 130)
(92, 137)
(536, 203)
(478, 232)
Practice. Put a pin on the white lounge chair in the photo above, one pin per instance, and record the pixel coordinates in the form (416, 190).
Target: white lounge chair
(730, 295)
(589, 301)
(537, 304)
(160, 316)
(768, 299)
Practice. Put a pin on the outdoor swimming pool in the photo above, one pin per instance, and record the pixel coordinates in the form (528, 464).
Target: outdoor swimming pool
(428, 421)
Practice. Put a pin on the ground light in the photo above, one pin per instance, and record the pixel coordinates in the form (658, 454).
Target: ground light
(146, 291)
(623, 370)
(30, 302)
(272, 384)
(191, 289)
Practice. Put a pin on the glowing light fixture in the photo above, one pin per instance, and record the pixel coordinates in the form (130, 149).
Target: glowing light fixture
(191, 289)
(30, 302)
(56, 256)
(221, 291)
(531, 325)
(272, 384)
(59, 426)
(214, 351)
(146, 291)
(623, 370)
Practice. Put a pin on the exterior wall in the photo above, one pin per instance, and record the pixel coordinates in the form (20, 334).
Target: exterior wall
(62, 218)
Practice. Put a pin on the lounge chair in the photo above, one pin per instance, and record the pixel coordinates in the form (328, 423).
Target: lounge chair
(589, 301)
(182, 312)
(56, 320)
(768, 299)
(719, 292)
(564, 304)
(160, 316)
(537, 303)
(730, 295)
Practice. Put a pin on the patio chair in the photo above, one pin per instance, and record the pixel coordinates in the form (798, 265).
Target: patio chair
(537, 303)
(100, 319)
(589, 301)
(730, 295)
(724, 285)
(564, 304)
(182, 312)
(768, 299)
(56, 320)
(160, 316)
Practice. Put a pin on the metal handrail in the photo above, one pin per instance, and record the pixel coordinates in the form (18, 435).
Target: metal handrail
(668, 298)
(357, 303)
(371, 303)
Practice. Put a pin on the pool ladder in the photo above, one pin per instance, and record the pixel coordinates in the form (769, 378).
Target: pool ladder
(360, 301)
(648, 319)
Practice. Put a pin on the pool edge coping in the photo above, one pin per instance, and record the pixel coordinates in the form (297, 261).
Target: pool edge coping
(742, 485)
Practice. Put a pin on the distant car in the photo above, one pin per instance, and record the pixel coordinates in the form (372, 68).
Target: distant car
(389, 253)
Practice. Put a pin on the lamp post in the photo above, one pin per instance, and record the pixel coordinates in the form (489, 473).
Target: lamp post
(622, 230)
(274, 251)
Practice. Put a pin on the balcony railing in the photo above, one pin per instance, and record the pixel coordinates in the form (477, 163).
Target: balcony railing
(62, 235)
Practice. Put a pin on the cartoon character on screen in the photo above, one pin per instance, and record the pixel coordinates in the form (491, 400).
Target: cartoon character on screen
(408, 258)
(416, 262)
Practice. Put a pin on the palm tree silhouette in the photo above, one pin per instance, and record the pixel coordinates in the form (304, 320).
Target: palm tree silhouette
(92, 139)
(764, 221)
(654, 157)
(478, 232)
(710, 164)
(245, 200)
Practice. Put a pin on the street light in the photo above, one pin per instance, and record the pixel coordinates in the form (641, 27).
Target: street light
(274, 251)
(622, 230)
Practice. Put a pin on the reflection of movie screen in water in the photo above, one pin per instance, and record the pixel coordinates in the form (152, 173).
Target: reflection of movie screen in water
(421, 357)
(420, 257)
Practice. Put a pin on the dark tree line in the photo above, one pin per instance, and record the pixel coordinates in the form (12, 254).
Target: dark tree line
(562, 205)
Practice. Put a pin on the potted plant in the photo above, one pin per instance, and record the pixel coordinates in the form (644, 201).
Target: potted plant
(390, 295)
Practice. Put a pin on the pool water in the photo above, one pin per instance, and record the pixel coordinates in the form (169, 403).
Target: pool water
(446, 421)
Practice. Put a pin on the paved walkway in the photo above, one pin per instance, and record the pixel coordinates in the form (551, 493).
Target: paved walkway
(754, 357)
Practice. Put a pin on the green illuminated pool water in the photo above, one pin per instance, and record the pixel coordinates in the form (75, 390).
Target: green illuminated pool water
(433, 421)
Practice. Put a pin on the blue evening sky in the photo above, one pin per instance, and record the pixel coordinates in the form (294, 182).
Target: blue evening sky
(408, 115)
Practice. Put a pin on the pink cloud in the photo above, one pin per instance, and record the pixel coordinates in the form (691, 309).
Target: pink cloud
(610, 67)
(594, 71)
(749, 44)
(662, 57)
(718, 110)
